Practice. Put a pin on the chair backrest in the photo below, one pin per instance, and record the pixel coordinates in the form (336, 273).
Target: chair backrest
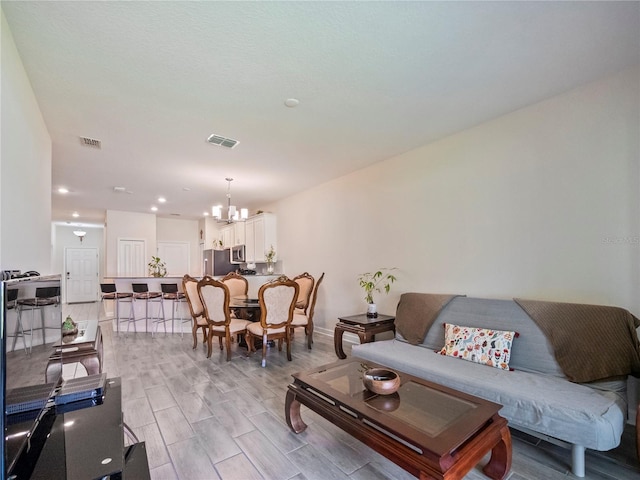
(140, 287)
(277, 301)
(190, 288)
(108, 287)
(169, 288)
(315, 297)
(238, 285)
(305, 283)
(214, 296)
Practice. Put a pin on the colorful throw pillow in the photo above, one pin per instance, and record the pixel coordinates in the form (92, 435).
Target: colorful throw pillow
(479, 345)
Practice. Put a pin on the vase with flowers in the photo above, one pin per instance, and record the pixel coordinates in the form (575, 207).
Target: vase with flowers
(270, 257)
(157, 268)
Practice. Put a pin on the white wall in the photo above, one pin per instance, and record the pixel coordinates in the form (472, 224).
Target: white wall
(131, 226)
(25, 199)
(180, 230)
(542, 203)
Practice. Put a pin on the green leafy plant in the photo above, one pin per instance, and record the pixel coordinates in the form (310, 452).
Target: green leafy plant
(157, 268)
(270, 255)
(376, 282)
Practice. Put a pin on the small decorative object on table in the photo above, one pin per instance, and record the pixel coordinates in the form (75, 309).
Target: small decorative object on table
(157, 268)
(381, 381)
(375, 282)
(69, 327)
(270, 257)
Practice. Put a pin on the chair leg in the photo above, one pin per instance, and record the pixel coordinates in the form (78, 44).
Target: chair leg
(249, 339)
(220, 341)
(288, 340)
(194, 331)
(264, 350)
(228, 338)
(209, 342)
(309, 331)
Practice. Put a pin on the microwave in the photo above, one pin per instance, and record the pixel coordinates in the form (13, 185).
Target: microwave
(237, 254)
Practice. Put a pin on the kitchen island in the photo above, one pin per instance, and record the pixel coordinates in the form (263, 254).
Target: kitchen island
(123, 284)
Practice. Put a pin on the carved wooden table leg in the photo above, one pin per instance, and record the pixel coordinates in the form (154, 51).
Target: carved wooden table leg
(337, 342)
(500, 462)
(292, 413)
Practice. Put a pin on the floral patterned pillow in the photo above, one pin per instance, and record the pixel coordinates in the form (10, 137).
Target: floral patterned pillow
(479, 345)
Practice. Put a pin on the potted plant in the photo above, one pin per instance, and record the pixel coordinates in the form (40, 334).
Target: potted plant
(375, 282)
(157, 268)
(270, 257)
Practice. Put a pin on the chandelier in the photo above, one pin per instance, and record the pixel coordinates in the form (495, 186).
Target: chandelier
(233, 215)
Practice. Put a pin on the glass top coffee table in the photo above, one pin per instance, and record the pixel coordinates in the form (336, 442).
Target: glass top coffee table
(430, 430)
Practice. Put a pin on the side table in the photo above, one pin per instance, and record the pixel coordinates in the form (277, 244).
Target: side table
(363, 326)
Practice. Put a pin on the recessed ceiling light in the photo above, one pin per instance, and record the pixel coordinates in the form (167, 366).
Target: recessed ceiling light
(162, 199)
(75, 214)
(186, 189)
(292, 102)
(206, 214)
(63, 190)
(154, 209)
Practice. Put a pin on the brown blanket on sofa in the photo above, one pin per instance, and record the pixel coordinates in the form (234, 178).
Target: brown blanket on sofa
(590, 342)
(416, 313)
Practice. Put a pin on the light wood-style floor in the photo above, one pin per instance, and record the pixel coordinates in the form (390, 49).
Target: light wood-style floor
(211, 419)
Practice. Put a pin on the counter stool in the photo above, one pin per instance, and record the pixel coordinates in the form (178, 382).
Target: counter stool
(45, 296)
(141, 292)
(170, 293)
(11, 303)
(109, 292)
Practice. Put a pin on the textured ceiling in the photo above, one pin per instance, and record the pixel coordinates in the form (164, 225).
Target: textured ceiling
(152, 80)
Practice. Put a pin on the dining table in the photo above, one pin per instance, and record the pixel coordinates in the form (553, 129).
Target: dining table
(247, 308)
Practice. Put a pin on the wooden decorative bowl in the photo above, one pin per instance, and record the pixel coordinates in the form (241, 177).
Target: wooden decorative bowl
(381, 381)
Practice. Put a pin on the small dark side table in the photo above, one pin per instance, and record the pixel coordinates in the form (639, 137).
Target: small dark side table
(365, 327)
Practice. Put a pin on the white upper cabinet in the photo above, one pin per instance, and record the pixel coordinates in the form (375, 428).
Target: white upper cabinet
(260, 234)
(239, 233)
(228, 236)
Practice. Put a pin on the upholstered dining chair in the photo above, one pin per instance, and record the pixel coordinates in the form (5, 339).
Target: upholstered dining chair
(238, 285)
(305, 319)
(277, 301)
(214, 296)
(196, 309)
(305, 283)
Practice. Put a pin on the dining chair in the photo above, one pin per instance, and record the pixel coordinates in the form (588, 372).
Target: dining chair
(305, 283)
(305, 320)
(277, 301)
(196, 309)
(214, 296)
(238, 285)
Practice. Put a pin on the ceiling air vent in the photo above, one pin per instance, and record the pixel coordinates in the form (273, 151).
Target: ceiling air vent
(222, 141)
(91, 142)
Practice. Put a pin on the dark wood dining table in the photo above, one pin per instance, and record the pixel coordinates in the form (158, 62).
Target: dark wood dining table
(247, 308)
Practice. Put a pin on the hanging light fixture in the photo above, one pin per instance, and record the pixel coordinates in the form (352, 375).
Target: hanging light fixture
(233, 214)
(80, 234)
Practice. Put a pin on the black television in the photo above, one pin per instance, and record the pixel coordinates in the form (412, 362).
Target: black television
(30, 322)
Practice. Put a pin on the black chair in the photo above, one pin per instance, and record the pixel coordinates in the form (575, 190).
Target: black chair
(170, 293)
(45, 297)
(141, 292)
(109, 292)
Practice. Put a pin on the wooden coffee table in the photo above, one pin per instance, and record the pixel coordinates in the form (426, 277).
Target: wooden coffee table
(431, 431)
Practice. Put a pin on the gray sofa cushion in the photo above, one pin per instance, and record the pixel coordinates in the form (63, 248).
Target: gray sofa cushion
(546, 404)
(530, 352)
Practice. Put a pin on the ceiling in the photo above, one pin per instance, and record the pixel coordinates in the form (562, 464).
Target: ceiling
(152, 80)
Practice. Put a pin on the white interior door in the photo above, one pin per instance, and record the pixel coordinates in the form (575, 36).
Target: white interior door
(176, 256)
(81, 280)
(131, 258)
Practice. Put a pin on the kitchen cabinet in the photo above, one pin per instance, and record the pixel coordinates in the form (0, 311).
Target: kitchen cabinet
(228, 236)
(260, 234)
(239, 233)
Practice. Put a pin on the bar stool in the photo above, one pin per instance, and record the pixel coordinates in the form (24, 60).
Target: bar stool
(45, 296)
(11, 303)
(141, 292)
(170, 293)
(109, 292)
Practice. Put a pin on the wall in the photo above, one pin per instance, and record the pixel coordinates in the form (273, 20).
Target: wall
(542, 203)
(127, 225)
(25, 200)
(179, 230)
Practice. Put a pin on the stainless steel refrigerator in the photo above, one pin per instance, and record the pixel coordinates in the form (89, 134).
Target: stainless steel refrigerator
(218, 262)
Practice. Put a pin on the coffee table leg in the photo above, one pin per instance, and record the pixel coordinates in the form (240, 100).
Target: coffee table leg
(292, 413)
(500, 462)
(337, 342)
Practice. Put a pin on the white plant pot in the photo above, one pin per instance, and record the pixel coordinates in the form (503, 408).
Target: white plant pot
(372, 310)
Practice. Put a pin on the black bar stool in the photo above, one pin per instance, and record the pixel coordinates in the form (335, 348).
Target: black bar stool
(170, 293)
(109, 292)
(141, 292)
(45, 296)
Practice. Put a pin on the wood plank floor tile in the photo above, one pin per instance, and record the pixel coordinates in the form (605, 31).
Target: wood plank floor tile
(232, 419)
(270, 462)
(237, 467)
(137, 412)
(160, 397)
(157, 454)
(193, 407)
(216, 441)
(278, 432)
(191, 461)
(314, 465)
(173, 425)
